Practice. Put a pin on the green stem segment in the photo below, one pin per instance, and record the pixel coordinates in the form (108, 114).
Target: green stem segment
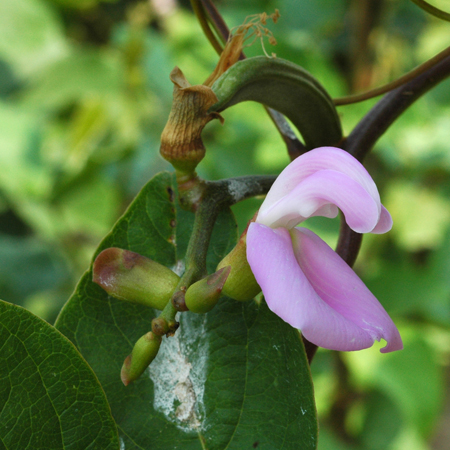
(394, 84)
(208, 14)
(432, 10)
(202, 18)
(215, 196)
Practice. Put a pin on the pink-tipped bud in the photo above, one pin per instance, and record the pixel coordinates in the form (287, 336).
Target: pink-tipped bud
(134, 278)
(144, 352)
(203, 295)
(241, 283)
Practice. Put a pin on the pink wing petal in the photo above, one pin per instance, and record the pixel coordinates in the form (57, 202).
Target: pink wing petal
(325, 187)
(384, 223)
(290, 295)
(338, 285)
(319, 159)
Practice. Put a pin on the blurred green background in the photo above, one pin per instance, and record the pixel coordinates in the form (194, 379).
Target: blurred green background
(84, 96)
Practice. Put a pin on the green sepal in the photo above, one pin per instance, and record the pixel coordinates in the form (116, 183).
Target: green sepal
(241, 283)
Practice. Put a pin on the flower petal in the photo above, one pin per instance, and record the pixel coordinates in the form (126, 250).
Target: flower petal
(338, 285)
(384, 223)
(319, 159)
(290, 295)
(324, 187)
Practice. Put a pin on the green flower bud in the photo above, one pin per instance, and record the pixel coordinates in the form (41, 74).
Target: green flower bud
(134, 278)
(144, 352)
(202, 296)
(241, 283)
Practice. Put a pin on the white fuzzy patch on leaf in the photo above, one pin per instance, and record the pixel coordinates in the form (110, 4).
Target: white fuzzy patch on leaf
(179, 374)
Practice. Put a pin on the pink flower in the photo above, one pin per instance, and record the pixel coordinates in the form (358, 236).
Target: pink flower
(303, 280)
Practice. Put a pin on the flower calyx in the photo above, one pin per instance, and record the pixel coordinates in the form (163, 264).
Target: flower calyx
(181, 142)
(241, 283)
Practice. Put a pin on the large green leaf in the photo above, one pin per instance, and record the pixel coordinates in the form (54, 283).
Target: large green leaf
(49, 397)
(81, 74)
(31, 35)
(235, 378)
(403, 284)
(414, 381)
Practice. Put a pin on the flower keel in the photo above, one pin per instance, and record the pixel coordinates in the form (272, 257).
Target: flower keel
(340, 288)
(290, 295)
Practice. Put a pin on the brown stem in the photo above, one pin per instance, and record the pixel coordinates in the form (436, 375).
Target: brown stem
(207, 9)
(199, 11)
(390, 107)
(372, 127)
(216, 20)
(310, 349)
(348, 244)
(394, 84)
(432, 10)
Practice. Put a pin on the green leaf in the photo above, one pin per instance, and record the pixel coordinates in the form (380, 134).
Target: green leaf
(403, 285)
(49, 397)
(31, 35)
(286, 87)
(382, 423)
(234, 378)
(414, 381)
(81, 74)
(23, 173)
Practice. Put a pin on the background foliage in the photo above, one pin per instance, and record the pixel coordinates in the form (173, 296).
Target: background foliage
(84, 95)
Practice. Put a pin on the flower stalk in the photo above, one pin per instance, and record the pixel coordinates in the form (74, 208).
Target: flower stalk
(217, 195)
